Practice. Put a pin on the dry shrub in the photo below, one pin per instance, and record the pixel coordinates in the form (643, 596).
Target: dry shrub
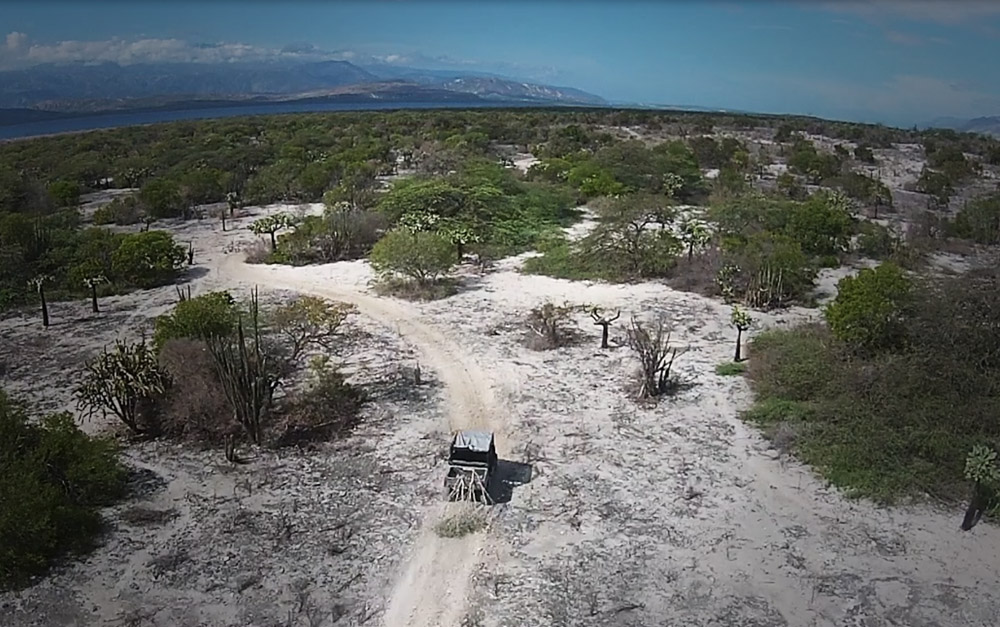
(195, 407)
(258, 252)
(697, 275)
(651, 343)
(783, 436)
(551, 326)
(327, 408)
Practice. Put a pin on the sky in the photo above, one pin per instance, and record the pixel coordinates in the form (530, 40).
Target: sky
(899, 62)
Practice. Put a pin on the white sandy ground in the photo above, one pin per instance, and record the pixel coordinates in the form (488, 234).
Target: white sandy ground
(673, 515)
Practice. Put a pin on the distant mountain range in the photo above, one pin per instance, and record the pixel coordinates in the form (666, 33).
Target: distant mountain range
(989, 125)
(42, 91)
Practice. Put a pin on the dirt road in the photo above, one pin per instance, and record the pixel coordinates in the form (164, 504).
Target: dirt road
(433, 588)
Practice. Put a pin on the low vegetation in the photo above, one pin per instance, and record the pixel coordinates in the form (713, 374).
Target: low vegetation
(53, 480)
(213, 370)
(890, 399)
(895, 395)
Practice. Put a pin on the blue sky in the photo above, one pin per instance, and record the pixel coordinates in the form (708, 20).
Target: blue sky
(894, 61)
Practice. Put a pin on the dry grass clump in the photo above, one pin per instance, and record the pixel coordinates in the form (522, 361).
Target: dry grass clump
(469, 518)
(415, 290)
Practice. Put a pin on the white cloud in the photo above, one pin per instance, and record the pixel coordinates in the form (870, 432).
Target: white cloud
(16, 41)
(19, 53)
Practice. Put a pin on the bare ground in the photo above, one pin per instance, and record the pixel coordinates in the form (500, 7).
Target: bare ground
(678, 514)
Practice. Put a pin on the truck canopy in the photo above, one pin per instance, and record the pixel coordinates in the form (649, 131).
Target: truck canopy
(472, 440)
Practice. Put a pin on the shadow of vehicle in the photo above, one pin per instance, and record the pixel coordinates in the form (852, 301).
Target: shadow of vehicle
(508, 475)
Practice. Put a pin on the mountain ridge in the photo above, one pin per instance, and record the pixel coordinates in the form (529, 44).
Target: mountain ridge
(96, 87)
(986, 125)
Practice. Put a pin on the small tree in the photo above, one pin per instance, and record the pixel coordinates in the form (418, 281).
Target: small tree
(221, 214)
(693, 234)
(981, 469)
(271, 225)
(39, 284)
(604, 322)
(308, 322)
(656, 356)
(233, 202)
(742, 320)
(421, 256)
(91, 283)
(118, 381)
(460, 236)
(868, 312)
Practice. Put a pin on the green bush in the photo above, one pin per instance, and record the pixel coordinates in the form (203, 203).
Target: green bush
(864, 154)
(765, 251)
(788, 364)
(936, 184)
(876, 241)
(65, 193)
(561, 259)
(890, 424)
(868, 312)
(148, 259)
(162, 197)
(210, 315)
(821, 225)
(809, 162)
(979, 220)
(53, 479)
(423, 257)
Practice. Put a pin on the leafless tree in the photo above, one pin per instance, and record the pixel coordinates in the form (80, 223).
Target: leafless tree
(92, 282)
(652, 346)
(604, 322)
(38, 283)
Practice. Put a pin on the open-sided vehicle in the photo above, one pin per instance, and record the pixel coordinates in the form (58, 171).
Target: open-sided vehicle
(472, 462)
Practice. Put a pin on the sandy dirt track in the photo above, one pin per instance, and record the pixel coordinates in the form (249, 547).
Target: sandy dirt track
(433, 588)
